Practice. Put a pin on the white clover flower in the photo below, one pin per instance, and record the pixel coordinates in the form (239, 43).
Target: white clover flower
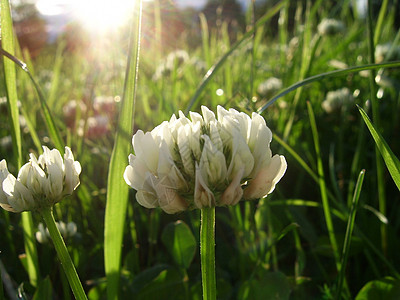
(66, 230)
(269, 87)
(203, 162)
(41, 182)
(330, 27)
(336, 100)
(387, 52)
(176, 59)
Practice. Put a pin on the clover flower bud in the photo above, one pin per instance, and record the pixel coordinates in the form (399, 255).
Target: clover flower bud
(41, 182)
(269, 87)
(330, 27)
(203, 162)
(66, 230)
(338, 99)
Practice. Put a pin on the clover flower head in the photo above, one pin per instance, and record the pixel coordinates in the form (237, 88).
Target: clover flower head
(94, 127)
(203, 161)
(330, 27)
(174, 61)
(387, 52)
(41, 182)
(67, 230)
(269, 87)
(336, 100)
(177, 58)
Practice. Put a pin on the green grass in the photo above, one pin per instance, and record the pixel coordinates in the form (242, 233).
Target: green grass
(319, 235)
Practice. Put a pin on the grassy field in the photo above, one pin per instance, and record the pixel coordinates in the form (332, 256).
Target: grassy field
(330, 230)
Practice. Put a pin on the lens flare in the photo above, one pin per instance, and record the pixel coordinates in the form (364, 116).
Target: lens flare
(95, 15)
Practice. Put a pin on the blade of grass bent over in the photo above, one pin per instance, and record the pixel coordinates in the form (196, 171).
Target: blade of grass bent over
(326, 75)
(51, 126)
(391, 161)
(117, 189)
(7, 42)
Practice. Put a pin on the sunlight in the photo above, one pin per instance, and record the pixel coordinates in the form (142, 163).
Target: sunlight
(95, 15)
(102, 15)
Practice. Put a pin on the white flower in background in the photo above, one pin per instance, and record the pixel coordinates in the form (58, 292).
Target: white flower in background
(330, 27)
(203, 161)
(336, 100)
(269, 87)
(41, 182)
(176, 59)
(67, 230)
(387, 52)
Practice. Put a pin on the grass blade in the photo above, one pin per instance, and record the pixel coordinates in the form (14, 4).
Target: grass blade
(117, 191)
(7, 42)
(213, 70)
(322, 185)
(349, 233)
(326, 75)
(391, 161)
(51, 126)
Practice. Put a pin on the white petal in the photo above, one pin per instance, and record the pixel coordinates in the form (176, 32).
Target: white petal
(234, 192)
(167, 168)
(18, 196)
(241, 157)
(3, 175)
(208, 115)
(203, 196)
(266, 179)
(146, 199)
(146, 149)
(72, 169)
(212, 164)
(196, 117)
(135, 172)
(169, 199)
(185, 151)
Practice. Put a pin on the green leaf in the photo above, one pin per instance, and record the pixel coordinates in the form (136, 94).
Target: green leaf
(44, 290)
(180, 242)
(158, 282)
(117, 189)
(386, 288)
(272, 285)
(391, 161)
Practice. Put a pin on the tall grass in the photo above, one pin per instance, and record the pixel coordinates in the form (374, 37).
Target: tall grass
(318, 235)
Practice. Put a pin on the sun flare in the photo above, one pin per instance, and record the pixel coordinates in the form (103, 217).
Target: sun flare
(95, 15)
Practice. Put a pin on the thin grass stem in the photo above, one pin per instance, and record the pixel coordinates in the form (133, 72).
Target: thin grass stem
(322, 185)
(376, 118)
(207, 253)
(62, 253)
(349, 233)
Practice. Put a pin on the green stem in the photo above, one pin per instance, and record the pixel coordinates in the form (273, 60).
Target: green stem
(62, 252)
(207, 253)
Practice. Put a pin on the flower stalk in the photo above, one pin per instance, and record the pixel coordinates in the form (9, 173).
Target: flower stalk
(62, 253)
(207, 253)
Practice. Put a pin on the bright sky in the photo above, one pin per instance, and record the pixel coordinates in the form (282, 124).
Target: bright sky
(95, 15)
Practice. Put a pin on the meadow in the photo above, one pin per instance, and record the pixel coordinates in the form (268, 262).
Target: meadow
(329, 92)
